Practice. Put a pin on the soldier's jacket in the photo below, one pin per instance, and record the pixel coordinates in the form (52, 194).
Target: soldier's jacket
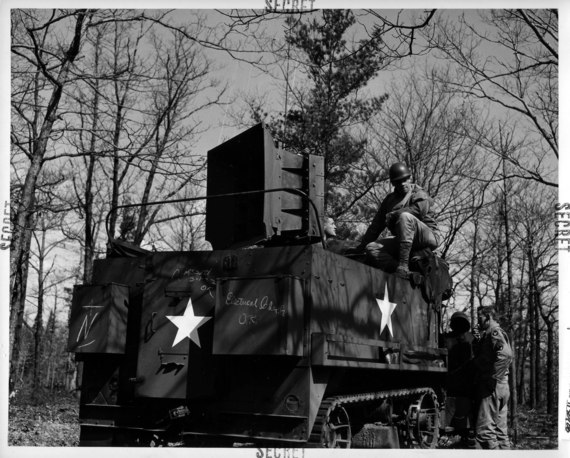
(419, 205)
(493, 355)
(460, 367)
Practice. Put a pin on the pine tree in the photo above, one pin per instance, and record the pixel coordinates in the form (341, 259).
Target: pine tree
(320, 121)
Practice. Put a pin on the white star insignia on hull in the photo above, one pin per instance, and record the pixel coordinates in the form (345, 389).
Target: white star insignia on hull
(386, 309)
(188, 324)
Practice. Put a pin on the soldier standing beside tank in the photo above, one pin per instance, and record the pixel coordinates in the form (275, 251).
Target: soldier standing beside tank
(407, 213)
(460, 387)
(493, 357)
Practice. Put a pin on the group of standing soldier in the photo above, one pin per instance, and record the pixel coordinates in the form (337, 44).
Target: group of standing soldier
(478, 367)
(478, 378)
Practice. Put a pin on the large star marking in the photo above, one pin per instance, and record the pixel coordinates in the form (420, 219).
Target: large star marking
(386, 309)
(188, 324)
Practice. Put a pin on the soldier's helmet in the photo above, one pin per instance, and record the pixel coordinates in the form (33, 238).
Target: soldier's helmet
(459, 322)
(398, 172)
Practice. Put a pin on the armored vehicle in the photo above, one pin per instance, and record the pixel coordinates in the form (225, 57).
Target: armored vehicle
(268, 339)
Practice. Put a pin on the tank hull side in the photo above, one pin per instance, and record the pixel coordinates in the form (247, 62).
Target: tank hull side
(323, 325)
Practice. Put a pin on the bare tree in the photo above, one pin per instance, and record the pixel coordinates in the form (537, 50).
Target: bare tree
(178, 100)
(509, 58)
(88, 110)
(51, 86)
(48, 64)
(532, 316)
(534, 236)
(43, 273)
(181, 228)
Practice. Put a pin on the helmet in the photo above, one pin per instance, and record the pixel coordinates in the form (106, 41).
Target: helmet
(399, 171)
(459, 322)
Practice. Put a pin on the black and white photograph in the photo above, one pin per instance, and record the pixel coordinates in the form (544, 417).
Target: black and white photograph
(272, 227)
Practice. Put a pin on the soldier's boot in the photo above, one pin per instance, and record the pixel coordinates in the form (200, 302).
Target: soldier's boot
(404, 258)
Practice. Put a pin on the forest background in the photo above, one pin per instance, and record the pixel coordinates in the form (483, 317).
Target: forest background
(113, 107)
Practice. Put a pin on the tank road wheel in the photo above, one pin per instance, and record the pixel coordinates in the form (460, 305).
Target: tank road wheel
(332, 427)
(423, 421)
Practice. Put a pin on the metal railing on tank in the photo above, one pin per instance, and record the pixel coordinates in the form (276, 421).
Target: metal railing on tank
(220, 196)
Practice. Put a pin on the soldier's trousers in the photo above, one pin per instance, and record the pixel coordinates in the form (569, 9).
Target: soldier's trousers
(491, 428)
(410, 229)
(384, 253)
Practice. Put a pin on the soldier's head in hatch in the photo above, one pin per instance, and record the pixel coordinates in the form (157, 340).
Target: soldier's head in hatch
(329, 227)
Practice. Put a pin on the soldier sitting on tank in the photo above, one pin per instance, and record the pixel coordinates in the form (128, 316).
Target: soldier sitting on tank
(407, 213)
(460, 376)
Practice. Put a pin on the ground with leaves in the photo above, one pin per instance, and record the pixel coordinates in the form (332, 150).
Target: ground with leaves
(537, 430)
(54, 424)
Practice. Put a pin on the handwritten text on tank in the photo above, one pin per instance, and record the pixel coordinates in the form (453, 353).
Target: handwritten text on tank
(259, 303)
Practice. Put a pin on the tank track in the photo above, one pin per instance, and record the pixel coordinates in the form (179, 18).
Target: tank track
(330, 403)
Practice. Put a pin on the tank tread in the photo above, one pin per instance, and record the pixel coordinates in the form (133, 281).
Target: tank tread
(331, 403)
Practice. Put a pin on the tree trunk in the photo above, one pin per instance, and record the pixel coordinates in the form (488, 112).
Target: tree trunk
(118, 175)
(550, 381)
(89, 251)
(26, 206)
(522, 340)
(531, 320)
(499, 292)
(38, 325)
(509, 308)
(18, 297)
(474, 261)
(139, 231)
(142, 225)
(50, 334)
(521, 364)
(116, 164)
(537, 338)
